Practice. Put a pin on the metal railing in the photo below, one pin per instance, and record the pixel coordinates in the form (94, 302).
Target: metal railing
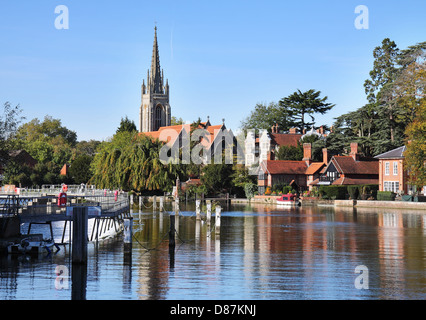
(40, 202)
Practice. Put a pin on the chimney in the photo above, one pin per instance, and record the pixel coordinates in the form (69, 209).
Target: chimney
(292, 130)
(307, 153)
(325, 156)
(354, 150)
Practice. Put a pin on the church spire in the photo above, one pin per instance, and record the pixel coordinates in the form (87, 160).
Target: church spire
(156, 77)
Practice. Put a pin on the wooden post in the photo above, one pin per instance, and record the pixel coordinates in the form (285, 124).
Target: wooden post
(197, 209)
(154, 203)
(79, 235)
(128, 229)
(172, 232)
(218, 213)
(131, 199)
(177, 206)
(209, 211)
(140, 203)
(161, 203)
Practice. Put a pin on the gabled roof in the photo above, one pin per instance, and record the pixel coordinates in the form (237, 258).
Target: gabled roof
(314, 167)
(284, 166)
(347, 165)
(354, 181)
(397, 153)
(177, 129)
(285, 139)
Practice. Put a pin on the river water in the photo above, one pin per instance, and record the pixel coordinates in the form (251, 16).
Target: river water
(263, 252)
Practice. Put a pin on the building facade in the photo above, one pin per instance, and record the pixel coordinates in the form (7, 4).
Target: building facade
(155, 109)
(392, 176)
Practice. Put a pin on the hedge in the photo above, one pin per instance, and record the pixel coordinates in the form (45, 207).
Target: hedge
(386, 195)
(333, 192)
(353, 192)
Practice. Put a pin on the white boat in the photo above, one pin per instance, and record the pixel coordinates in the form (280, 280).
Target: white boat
(289, 199)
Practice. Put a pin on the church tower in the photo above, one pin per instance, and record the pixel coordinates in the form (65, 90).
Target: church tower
(155, 109)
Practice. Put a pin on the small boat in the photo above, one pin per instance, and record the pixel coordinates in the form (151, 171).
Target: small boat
(289, 199)
(32, 246)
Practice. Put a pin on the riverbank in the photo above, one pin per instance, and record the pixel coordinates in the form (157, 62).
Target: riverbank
(341, 203)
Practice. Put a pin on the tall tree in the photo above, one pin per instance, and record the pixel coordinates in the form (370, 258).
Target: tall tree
(382, 76)
(300, 104)
(126, 125)
(9, 122)
(265, 116)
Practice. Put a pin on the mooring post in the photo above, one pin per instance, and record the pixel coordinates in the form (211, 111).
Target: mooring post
(79, 235)
(140, 203)
(128, 229)
(131, 199)
(154, 203)
(177, 205)
(209, 210)
(218, 213)
(161, 203)
(172, 232)
(197, 209)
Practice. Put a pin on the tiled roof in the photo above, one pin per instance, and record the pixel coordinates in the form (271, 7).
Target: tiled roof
(352, 181)
(314, 167)
(285, 166)
(285, 139)
(175, 130)
(395, 153)
(347, 165)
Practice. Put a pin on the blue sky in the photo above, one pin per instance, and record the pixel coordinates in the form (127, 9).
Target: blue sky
(220, 57)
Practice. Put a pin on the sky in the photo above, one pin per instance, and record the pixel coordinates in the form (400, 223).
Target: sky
(221, 58)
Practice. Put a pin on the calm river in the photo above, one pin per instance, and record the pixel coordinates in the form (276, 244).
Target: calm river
(262, 253)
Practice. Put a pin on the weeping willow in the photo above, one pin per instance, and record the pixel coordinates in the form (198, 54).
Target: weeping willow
(131, 162)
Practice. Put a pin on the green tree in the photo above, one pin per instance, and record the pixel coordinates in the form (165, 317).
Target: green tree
(9, 122)
(80, 169)
(126, 125)
(217, 177)
(265, 116)
(131, 162)
(175, 121)
(301, 104)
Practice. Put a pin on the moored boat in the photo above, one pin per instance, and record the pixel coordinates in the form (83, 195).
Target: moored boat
(289, 200)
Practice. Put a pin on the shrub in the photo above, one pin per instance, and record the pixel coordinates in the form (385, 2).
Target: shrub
(353, 192)
(287, 189)
(333, 192)
(386, 196)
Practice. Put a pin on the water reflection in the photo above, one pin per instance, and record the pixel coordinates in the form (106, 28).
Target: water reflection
(262, 252)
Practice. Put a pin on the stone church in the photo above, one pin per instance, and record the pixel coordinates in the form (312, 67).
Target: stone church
(155, 109)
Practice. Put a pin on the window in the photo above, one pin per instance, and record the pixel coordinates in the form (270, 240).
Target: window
(158, 117)
(387, 165)
(395, 168)
(391, 186)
